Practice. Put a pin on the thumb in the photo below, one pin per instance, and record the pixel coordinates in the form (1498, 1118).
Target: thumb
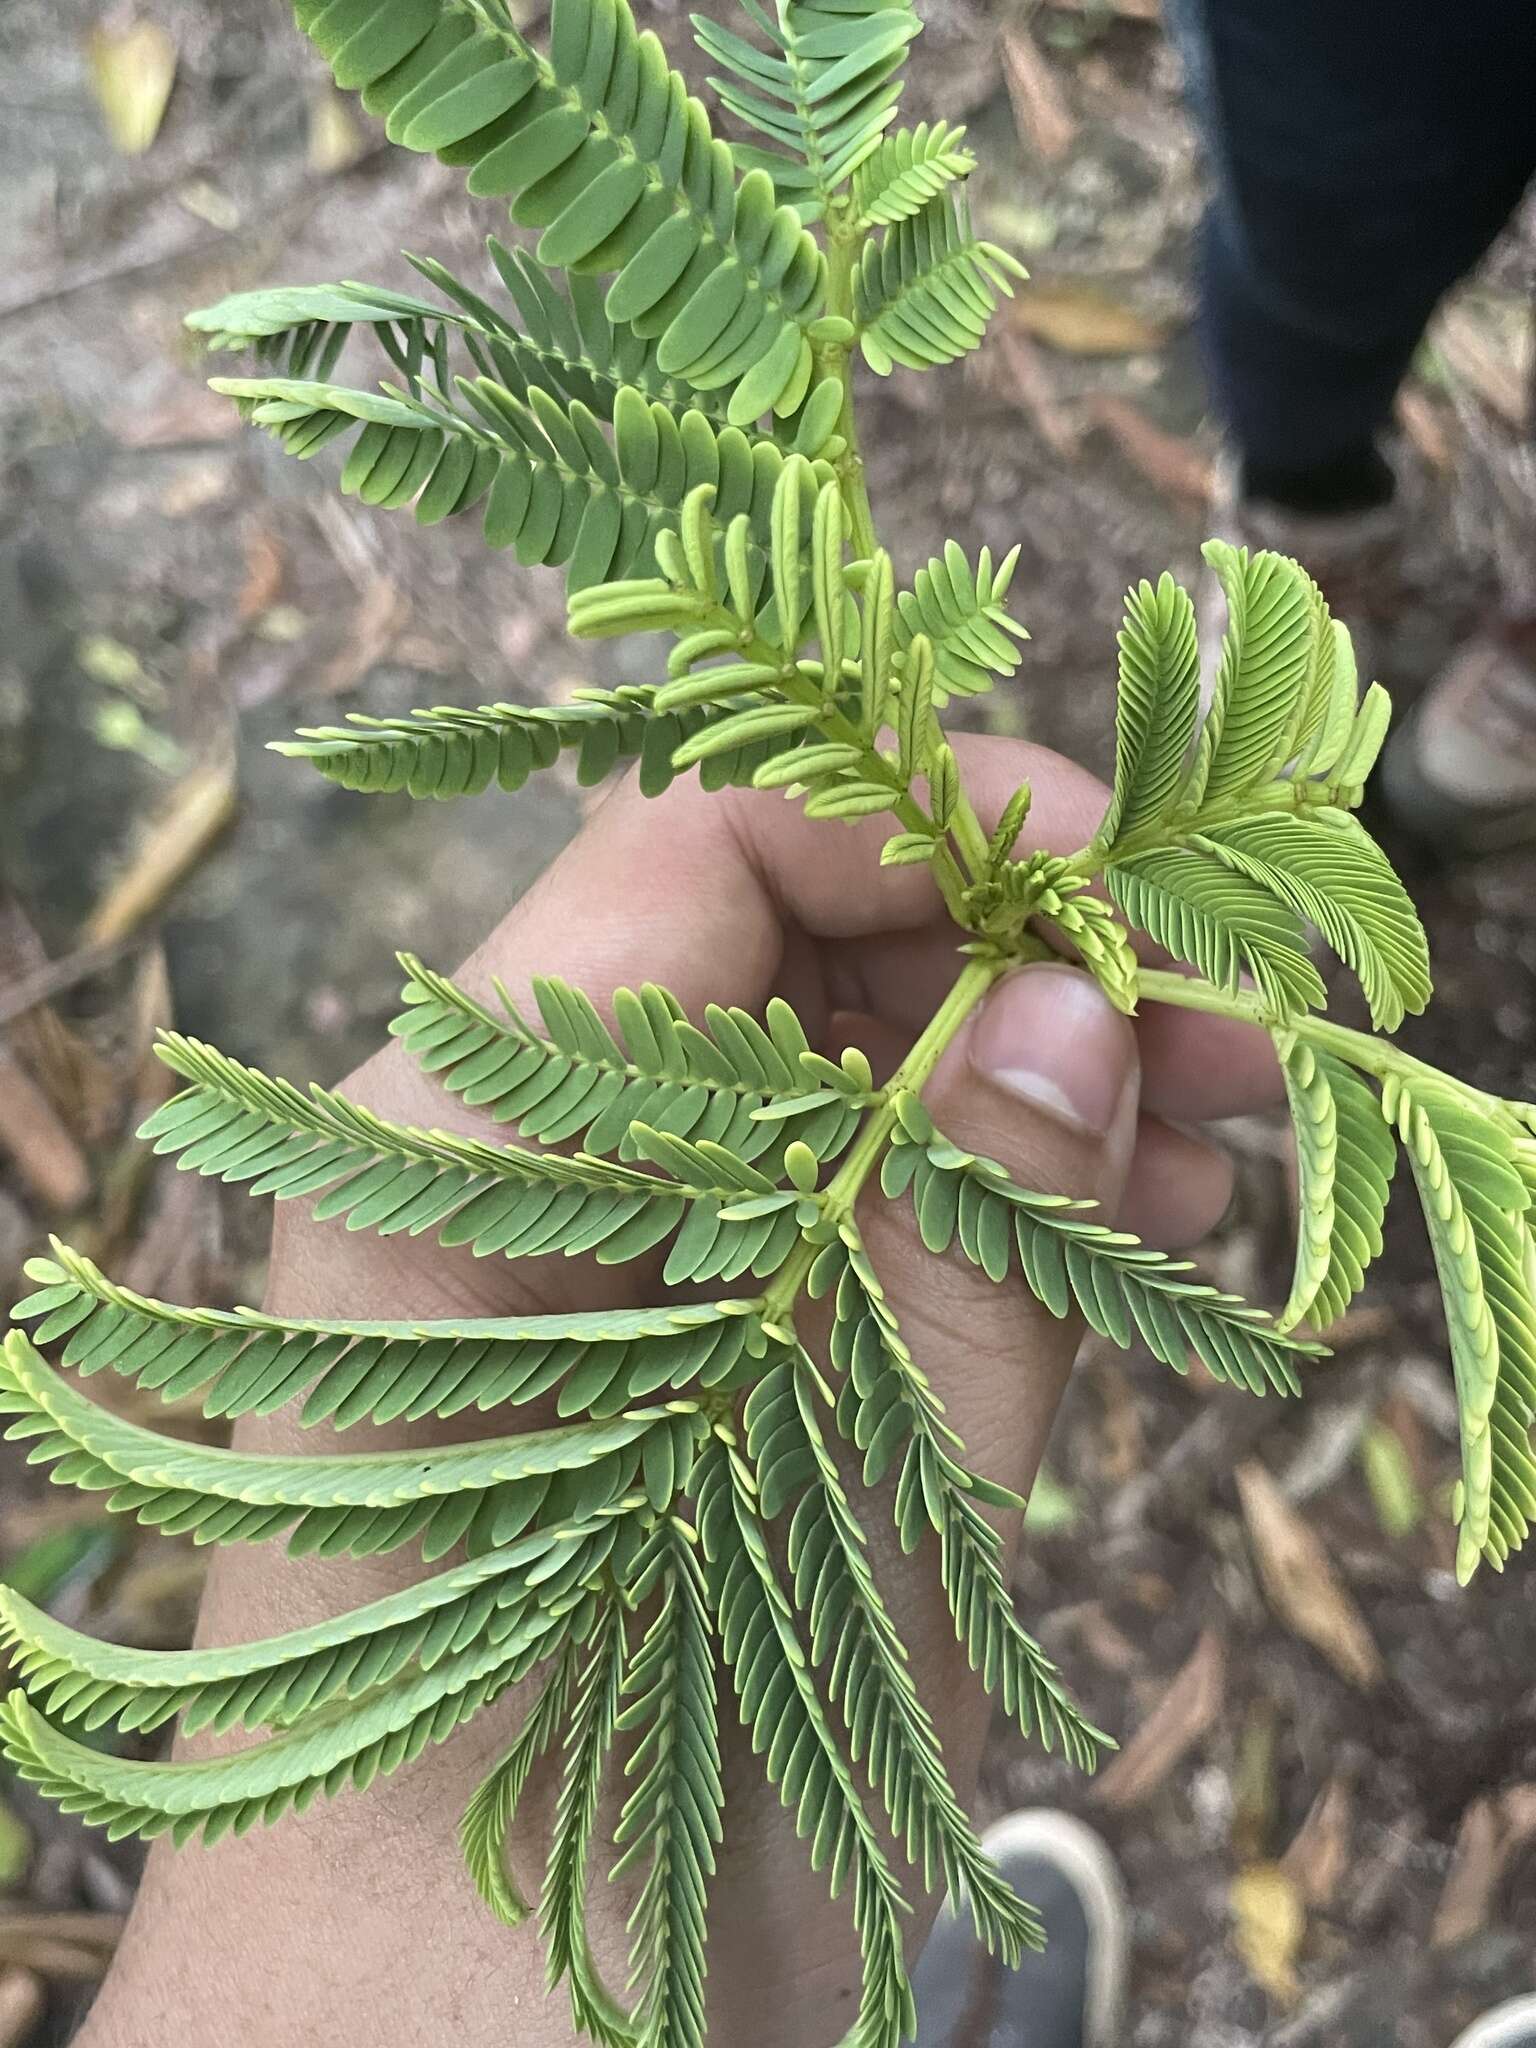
(1044, 1079)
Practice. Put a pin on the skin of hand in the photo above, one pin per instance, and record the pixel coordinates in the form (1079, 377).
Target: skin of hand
(355, 1923)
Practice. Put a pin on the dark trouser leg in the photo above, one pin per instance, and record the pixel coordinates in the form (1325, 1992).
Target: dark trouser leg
(1364, 153)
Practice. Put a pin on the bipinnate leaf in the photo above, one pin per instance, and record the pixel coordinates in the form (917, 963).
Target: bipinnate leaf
(599, 145)
(819, 96)
(655, 393)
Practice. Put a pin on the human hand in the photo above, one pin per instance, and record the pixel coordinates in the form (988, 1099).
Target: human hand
(355, 1923)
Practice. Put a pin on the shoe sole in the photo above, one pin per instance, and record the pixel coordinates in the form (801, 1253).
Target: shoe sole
(1060, 1839)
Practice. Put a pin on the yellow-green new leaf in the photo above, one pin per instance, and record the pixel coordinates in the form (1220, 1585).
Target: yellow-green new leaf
(1344, 1158)
(1476, 1208)
(1330, 872)
(1156, 708)
(1265, 662)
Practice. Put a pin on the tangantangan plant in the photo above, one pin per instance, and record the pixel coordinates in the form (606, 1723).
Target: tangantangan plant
(656, 394)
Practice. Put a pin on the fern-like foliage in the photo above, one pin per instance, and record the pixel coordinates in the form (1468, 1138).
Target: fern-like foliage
(907, 169)
(561, 341)
(962, 614)
(927, 289)
(820, 95)
(598, 144)
(1223, 837)
(674, 424)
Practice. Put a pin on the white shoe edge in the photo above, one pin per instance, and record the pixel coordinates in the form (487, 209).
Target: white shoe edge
(1062, 1839)
(1512, 2025)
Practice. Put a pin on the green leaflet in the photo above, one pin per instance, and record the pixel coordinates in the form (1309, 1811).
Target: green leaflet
(925, 292)
(1221, 923)
(671, 1823)
(72, 1677)
(803, 1758)
(241, 1362)
(473, 1490)
(1476, 1208)
(1329, 871)
(852, 1632)
(343, 1744)
(565, 343)
(238, 1125)
(822, 743)
(600, 146)
(554, 488)
(453, 751)
(1263, 672)
(488, 1817)
(963, 615)
(908, 168)
(1345, 1158)
(1121, 1287)
(1156, 707)
(562, 1905)
(820, 95)
(886, 1407)
(740, 1083)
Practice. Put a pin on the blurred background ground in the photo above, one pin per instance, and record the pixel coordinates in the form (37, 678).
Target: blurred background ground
(1326, 1803)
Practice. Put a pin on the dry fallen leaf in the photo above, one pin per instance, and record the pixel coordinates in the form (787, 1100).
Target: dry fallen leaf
(336, 140)
(1186, 1712)
(1128, 10)
(1304, 1591)
(1492, 1829)
(188, 416)
(198, 810)
(1391, 1481)
(1017, 372)
(1083, 320)
(37, 1142)
(15, 1845)
(265, 564)
(59, 1944)
(1427, 428)
(1319, 1854)
(1255, 1790)
(1484, 340)
(1178, 468)
(132, 71)
(1040, 113)
(1106, 1644)
(1270, 1921)
(376, 625)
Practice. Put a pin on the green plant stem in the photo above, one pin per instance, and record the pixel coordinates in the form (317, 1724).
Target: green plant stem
(1378, 1057)
(843, 1190)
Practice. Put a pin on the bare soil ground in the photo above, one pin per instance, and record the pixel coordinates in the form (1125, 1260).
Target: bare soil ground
(1326, 1803)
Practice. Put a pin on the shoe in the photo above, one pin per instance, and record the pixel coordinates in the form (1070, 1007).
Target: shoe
(1459, 773)
(1508, 2026)
(1070, 1996)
